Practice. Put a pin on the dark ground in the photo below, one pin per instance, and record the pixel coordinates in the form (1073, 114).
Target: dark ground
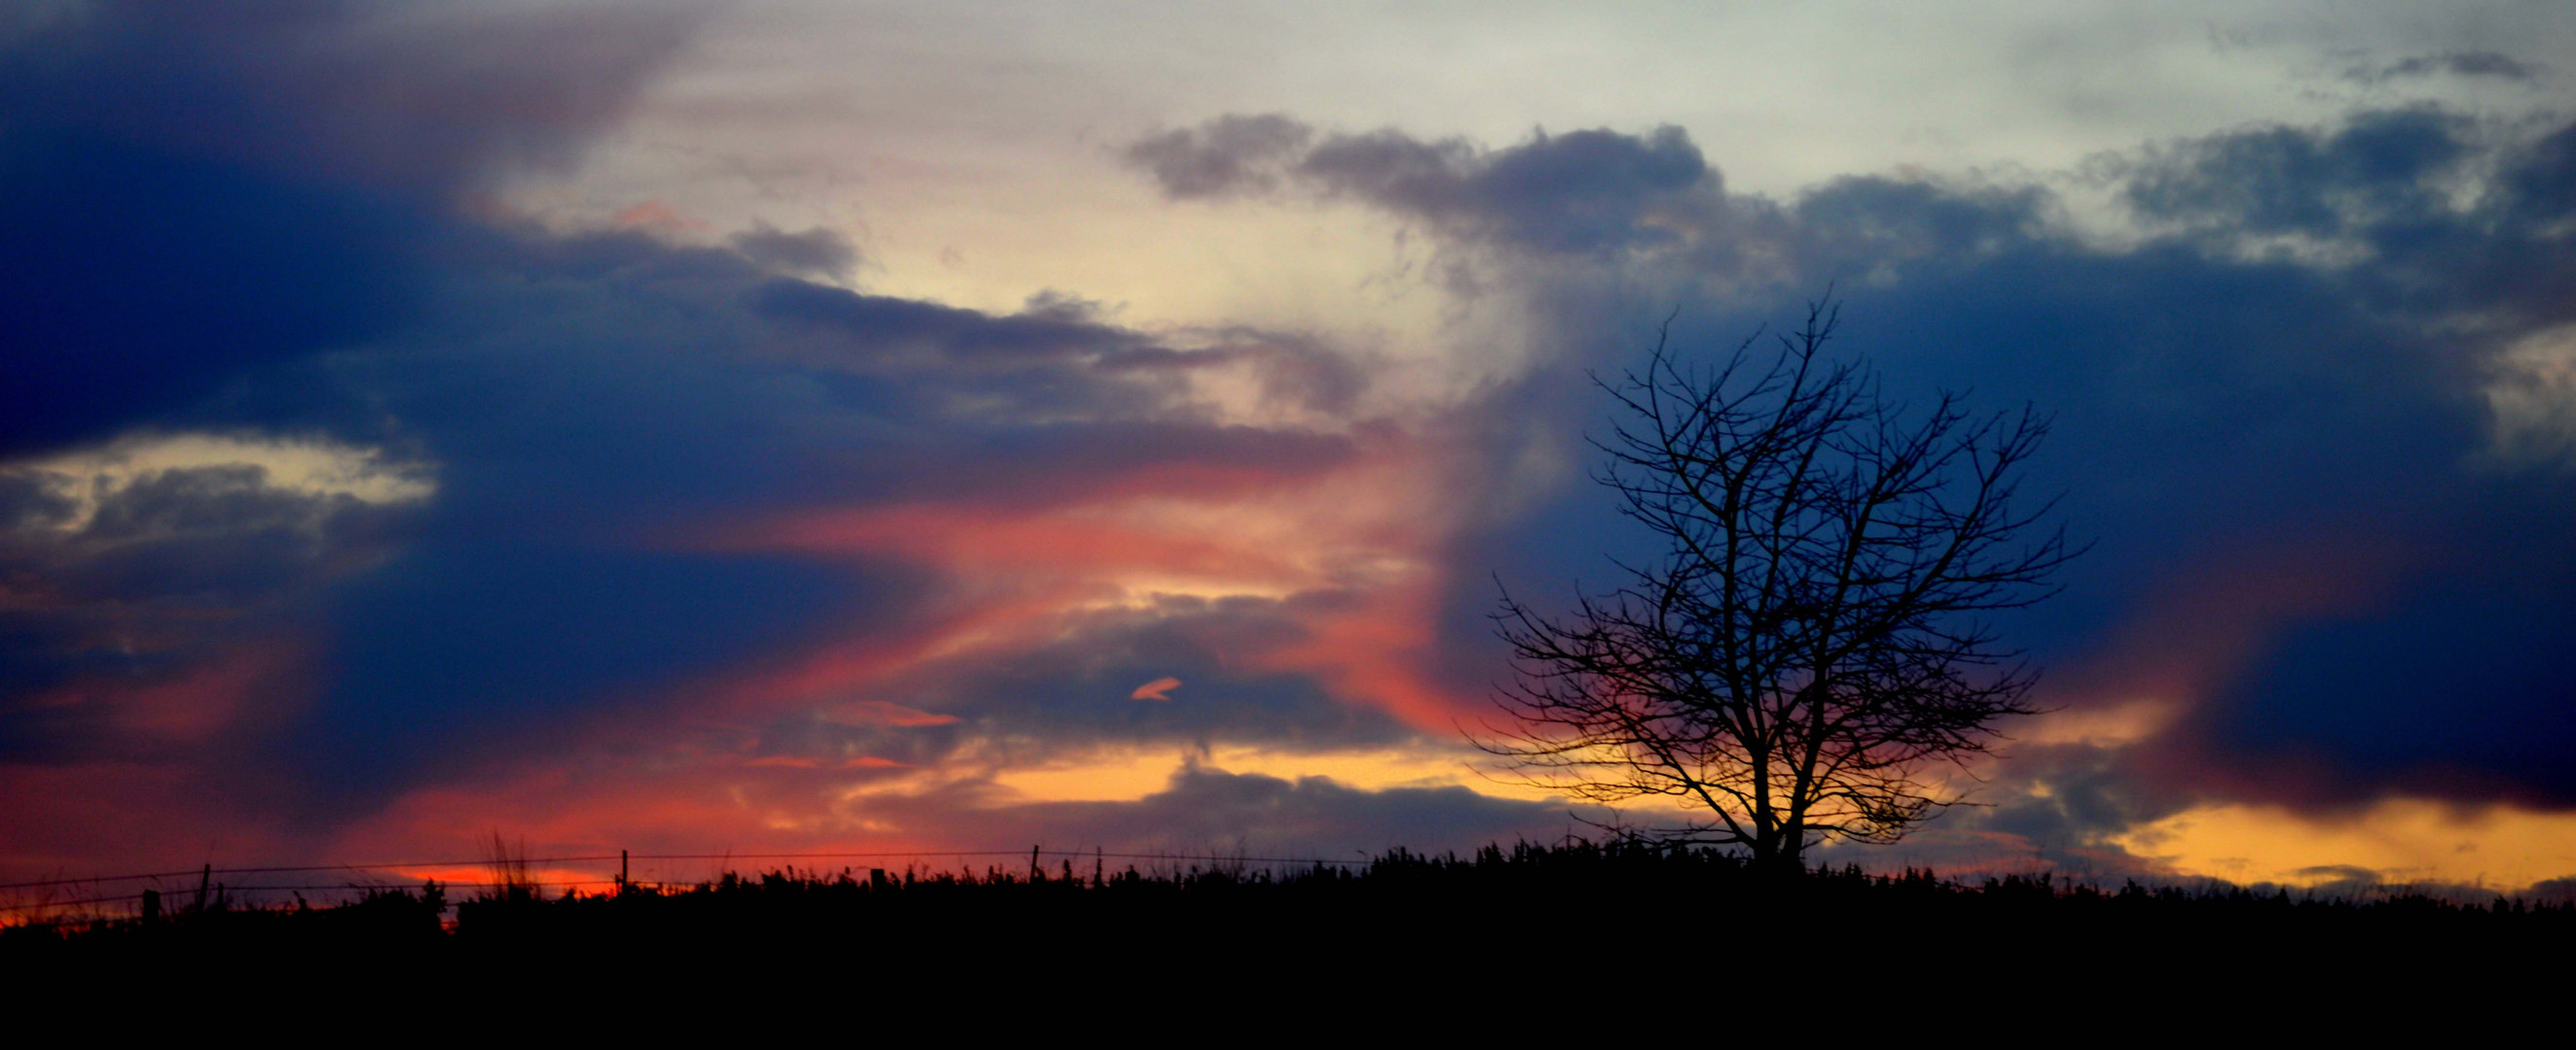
(1581, 940)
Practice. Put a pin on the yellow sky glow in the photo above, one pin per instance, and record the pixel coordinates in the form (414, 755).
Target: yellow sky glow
(2403, 840)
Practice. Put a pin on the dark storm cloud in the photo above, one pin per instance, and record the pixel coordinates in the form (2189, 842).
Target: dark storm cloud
(1205, 809)
(2451, 683)
(217, 537)
(464, 654)
(999, 360)
(815, 253)
(248, 223)
(2056, 806)
(887, 324)
(1581, 191)
(2462, 687)
(2206, 403)
(135, 281)
(1229, 155)
(222, 534)
(2269, 405)
(2456, 63)
(1577, 192)
(2540, 184)
(2218, 397)
(424, 100)
(190, 192)
(30, 500)
(2087, 797)
(2379, 169)
(609, 378)
(162, 575)
(2389, 184)
(1870, 226)
(596, 405)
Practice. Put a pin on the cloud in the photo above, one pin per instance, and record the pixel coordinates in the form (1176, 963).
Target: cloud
(422, 100)
(668, 469)
(2532, 400)
(593, 408)
(815, 253)
(854, 483)
(2539, 183)
(1209, 810)
(688, 490)
(2304, 343)
(2492, 64)
(1048, 687)
(2381, 168)
(664, 537)
(1198, 808)
(2052, 807)
(1229, 155)
(1573, 193)
(996, 360)
(191, 195)
(135, 569)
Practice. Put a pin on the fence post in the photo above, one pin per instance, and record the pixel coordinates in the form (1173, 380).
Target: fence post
(151, 907)
(205, 880)
(621, 871)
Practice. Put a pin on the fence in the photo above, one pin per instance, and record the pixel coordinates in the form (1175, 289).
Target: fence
(37, 896)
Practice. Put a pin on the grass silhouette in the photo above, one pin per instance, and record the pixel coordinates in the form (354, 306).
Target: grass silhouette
(1519, 921)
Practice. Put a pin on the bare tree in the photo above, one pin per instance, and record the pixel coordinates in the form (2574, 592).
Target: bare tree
(1810, 644)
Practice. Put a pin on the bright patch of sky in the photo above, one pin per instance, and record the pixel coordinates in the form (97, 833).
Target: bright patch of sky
(971, 152)
(306, 467)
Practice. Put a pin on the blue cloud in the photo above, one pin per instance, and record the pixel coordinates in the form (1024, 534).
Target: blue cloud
(2213, 394)
(190, 194)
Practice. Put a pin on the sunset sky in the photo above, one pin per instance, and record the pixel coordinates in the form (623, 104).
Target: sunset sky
(784, 426)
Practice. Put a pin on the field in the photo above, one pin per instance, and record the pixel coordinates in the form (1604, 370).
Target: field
(1632, 919)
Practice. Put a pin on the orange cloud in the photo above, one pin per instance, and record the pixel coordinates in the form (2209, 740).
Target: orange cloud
(1350, 551)
(892, 714)
(1374, 647)
(797, 762)
(1348, 555)
(657, 216)
(1082, 542)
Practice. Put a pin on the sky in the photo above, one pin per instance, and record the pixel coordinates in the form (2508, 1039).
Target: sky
(779, 426)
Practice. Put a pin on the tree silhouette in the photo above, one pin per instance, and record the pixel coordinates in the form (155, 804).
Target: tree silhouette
(1809, 644)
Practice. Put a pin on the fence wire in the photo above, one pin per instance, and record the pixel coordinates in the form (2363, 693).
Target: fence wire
(205, 874)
